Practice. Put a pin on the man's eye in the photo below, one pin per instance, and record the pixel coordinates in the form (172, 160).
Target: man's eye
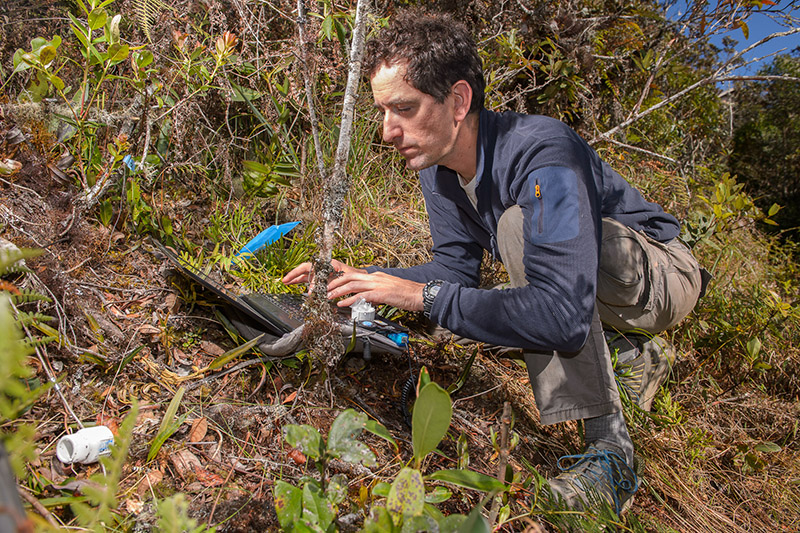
(403, 109)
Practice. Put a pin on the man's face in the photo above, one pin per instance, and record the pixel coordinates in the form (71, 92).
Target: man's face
(422, 130)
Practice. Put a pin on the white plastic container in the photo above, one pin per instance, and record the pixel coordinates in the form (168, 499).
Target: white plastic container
(85, 446)
(362, 310)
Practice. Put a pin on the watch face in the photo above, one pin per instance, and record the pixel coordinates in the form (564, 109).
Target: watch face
(434, 290)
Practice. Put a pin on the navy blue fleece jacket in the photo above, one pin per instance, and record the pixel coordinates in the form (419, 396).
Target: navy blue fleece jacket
(564, 189)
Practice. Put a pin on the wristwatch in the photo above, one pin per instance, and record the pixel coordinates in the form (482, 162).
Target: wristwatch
(429, 292)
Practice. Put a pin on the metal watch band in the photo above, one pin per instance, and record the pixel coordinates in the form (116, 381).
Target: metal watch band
(429, 293)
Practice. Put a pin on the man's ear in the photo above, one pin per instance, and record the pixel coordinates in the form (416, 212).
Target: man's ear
(462, 99)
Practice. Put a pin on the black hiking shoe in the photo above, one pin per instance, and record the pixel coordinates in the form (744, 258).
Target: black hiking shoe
(597, 475)
(642, 366)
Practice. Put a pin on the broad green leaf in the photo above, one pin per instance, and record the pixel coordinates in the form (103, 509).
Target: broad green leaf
(379, 521)
(381, 489)
(419, 523)
(773, 210)
(430, 420)
(336, 491)
(305, 438)
(475, 523)
(452, 523)
(143, 58)
(468, 479)
(327, 27)
(118, 52)
(19, 61)
(97, 18)
(754, 346)
(438, 495)
(37, 43)
(407, 495)
(379, 430)
(57, 82)
(767, 447)
(317, 510)
(342, 441)
(47, 55)
(288, 503)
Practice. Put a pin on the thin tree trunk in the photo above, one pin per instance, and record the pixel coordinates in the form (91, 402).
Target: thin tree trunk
(322, 336)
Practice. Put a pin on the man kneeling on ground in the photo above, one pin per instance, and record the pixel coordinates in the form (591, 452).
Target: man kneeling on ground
(581, 246)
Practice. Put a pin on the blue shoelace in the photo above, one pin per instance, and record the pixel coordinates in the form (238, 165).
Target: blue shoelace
(605, 460)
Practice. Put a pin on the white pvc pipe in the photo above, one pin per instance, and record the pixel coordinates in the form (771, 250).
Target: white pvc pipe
(85, 446)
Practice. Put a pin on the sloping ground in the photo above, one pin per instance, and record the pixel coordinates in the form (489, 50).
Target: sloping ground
(719, 454)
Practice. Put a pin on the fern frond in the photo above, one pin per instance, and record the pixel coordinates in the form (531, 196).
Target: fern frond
(25, 296)
(38, 343)
(146, 13)
(29, 318)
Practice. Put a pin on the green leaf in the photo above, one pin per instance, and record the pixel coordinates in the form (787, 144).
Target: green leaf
(381, 489)
(754, 347)
(47, 55)
(336, 491)
(767, 447)
(230, 355)
(288, 503)
(475, 523)
(379, 521)
(407, 495)
(379, 430)
(327, 27)
(37, 43)
(773, 210)
(342, 442)
(118, 52)
(97, 18)
(57, 82)
(80, 35)
(438, 495)
(430, 420)
(305, 438)
(317, 509)
(143, 58)
(452, 523)
(168, 424)
(255, 166)
(424, 378)
(469, 480)
(20, 62)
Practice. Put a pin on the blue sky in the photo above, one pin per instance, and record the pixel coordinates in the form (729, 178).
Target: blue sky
(760, 25)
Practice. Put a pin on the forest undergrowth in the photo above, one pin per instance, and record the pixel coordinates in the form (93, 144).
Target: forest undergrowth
(128, 121)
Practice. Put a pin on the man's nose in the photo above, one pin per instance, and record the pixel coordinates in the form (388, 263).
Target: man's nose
(391, 130)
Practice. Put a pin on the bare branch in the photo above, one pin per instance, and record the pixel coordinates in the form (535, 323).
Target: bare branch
(308, 83)
(717, 77)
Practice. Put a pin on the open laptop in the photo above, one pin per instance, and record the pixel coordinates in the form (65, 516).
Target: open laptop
(277, 316)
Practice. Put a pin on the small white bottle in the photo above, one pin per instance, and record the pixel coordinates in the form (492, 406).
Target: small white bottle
(85, 446)
(362, 310)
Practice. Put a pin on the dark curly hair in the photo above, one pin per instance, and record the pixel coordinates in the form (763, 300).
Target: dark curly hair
(439, 50)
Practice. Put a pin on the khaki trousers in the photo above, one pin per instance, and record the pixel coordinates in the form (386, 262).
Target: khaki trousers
(641, 284)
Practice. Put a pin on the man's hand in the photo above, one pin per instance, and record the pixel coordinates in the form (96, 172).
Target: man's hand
(355, 283)
(377, 288)
(302, 273)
